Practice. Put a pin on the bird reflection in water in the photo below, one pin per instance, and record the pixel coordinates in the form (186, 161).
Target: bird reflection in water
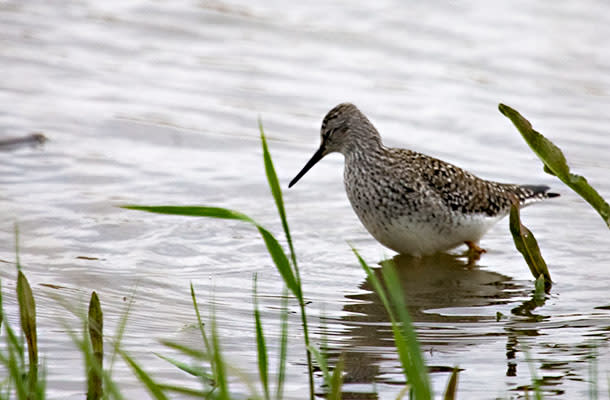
(445, 296)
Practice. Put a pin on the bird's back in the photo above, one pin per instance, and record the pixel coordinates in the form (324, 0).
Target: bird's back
(418, 204)
(462, 192)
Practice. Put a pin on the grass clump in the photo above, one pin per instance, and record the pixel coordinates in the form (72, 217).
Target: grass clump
(287, 267)
(23, 376)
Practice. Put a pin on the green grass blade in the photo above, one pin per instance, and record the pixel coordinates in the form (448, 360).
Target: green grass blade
(321, 360)
(189, 369)
(261, 347)
(277, 196)
(376, 285)
(189, 351)
(451, 390)
(191, 393)
(194, 211)
(281, 369)
(281, 262)
(405, 339)
(144, 377)
(41, 388)
(403, 392)
(16, 373)
(186, 391)
(275, 250)
(555, 162)
(527, 245)
(413, 361)
(120, 331)
(15, 363)
(220, 371)
(336, 381)
(276, 191)
(27, 311)
(200, 325)
(96, 335)
(291, 277)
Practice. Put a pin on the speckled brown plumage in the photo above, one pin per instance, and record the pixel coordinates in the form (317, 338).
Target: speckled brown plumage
(410, 202)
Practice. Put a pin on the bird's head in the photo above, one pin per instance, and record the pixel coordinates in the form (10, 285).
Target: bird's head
(343, 129)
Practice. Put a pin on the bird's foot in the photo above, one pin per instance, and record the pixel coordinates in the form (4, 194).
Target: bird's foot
(474, 252)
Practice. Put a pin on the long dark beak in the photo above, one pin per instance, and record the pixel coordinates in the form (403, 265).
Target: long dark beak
(314, 159)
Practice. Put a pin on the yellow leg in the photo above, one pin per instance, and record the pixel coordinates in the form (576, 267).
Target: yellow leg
(474, 251)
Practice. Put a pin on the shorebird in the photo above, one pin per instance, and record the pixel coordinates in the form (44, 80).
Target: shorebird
(410, 202)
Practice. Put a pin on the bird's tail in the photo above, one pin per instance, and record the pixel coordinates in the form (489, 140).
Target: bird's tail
(528, 194)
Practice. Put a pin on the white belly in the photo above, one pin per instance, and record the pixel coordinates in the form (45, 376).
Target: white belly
(417, 237)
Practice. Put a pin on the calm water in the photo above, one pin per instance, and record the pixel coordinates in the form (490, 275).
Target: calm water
(157, 103)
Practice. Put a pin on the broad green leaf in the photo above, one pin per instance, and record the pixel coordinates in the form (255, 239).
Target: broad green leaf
(111, 390)
(540, 289)
(27, 311)
(526, 244)
(555, 162)
(96, 329)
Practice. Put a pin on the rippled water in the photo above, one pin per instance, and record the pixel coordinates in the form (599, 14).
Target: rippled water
(157, 103)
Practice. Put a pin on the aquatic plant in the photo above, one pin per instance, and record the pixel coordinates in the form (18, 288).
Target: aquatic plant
(287, 267)
(555, 162)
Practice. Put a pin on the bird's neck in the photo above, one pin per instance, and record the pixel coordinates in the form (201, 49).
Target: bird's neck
(364, 139)
(368, 151)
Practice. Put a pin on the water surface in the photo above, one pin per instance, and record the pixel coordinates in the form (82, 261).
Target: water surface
(157, 103)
